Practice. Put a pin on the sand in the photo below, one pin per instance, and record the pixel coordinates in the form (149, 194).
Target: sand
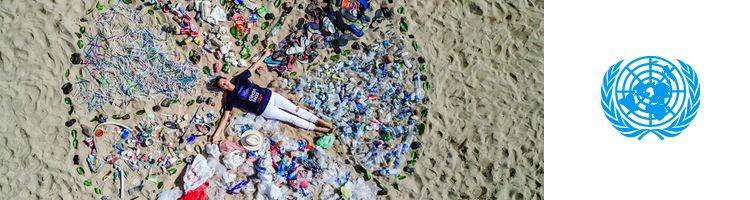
(484, 140)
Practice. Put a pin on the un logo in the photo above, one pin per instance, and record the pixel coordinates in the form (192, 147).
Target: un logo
(650, 95)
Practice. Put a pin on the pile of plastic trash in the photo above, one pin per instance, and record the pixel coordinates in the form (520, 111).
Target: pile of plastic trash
(373, 92)
(380, 91)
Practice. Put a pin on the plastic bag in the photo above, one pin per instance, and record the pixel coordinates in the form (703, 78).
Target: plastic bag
(197, 173)
(218, 15)
(199, 193)
(171, 194)
(271, 191)
(247, 169)
(212, 150)
(215, 190)
(271, 126)
(242, 123)
(229, 146)
(358, 190)
(234, 159)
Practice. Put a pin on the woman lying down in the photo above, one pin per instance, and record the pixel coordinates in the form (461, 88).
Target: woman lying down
(249, 97)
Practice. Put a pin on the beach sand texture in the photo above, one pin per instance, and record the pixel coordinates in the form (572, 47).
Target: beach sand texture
(485, 139)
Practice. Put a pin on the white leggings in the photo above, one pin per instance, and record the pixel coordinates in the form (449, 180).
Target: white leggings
(281, 109)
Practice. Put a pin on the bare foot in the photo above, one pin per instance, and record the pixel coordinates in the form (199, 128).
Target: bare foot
(322, 129)
(324, 123)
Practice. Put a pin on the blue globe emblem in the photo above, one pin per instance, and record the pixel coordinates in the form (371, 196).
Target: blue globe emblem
(650, 95)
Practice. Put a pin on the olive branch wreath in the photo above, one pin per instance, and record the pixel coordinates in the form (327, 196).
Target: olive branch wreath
(674, 129)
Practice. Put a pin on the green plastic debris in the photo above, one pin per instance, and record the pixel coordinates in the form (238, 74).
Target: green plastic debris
(400, 10)
(225, 68)
(345, 192)
(415, 45)
(140, 112)
(264, 25)
(68, 101)
(277, 3)
(150, 11)
(70, 111)
(127, 1)
(235, 33)
(109, 1)
(272, 46)
(414, 155)
(421, 67)
(116, 117)
(159, 185)
(334, 58)
(386, 136)
(80, 171)
(377, 183)
(293, 74)
(255, 40)
(172, 171)
(424, 112)
(262, 11)
(245, 53)
(99, 6)
(205, 70)
(98, 191)
(74, 135)
(426, 86)
(420, 129)
(197, 148)
(173, 101)
(395, 186)
(345, 52)
(326, 141)
(191, 102)
(403, 26)
(411, 162)
(82, 29)
(87, 183)
(67, 73)
(400, 177)
(80, 44)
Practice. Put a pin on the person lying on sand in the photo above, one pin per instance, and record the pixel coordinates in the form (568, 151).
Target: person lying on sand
(249, 97)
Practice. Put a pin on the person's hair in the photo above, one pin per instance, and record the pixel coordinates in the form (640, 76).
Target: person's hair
(216, 82)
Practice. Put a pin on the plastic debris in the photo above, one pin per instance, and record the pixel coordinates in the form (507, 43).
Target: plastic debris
(374, 92)
(171, 194)
(325, 141)
(196, 177)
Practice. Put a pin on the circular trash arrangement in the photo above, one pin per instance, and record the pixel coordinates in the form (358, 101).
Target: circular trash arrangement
(350, 61)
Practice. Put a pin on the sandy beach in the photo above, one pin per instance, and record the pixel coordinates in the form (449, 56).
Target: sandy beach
(485, 130)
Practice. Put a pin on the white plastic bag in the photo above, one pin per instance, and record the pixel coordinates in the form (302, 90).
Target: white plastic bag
(358, 190)
(234, 159)
(197, 173)
(241, 123)
(171, 194)
(213, 151)
(217, 15)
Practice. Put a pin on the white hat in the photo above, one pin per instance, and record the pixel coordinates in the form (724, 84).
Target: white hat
(253, 140)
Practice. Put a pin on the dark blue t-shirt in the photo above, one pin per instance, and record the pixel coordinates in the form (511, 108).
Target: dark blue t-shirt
(247, 95)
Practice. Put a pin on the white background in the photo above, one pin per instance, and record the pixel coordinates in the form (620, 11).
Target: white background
(586, 158)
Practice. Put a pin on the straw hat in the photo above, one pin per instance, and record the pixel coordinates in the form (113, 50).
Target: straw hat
(253, 140)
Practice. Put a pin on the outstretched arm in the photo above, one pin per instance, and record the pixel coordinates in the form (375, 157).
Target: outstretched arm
(222, 125)
(260, 62)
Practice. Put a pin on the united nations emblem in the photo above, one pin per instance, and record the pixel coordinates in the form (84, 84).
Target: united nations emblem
(650, 95)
